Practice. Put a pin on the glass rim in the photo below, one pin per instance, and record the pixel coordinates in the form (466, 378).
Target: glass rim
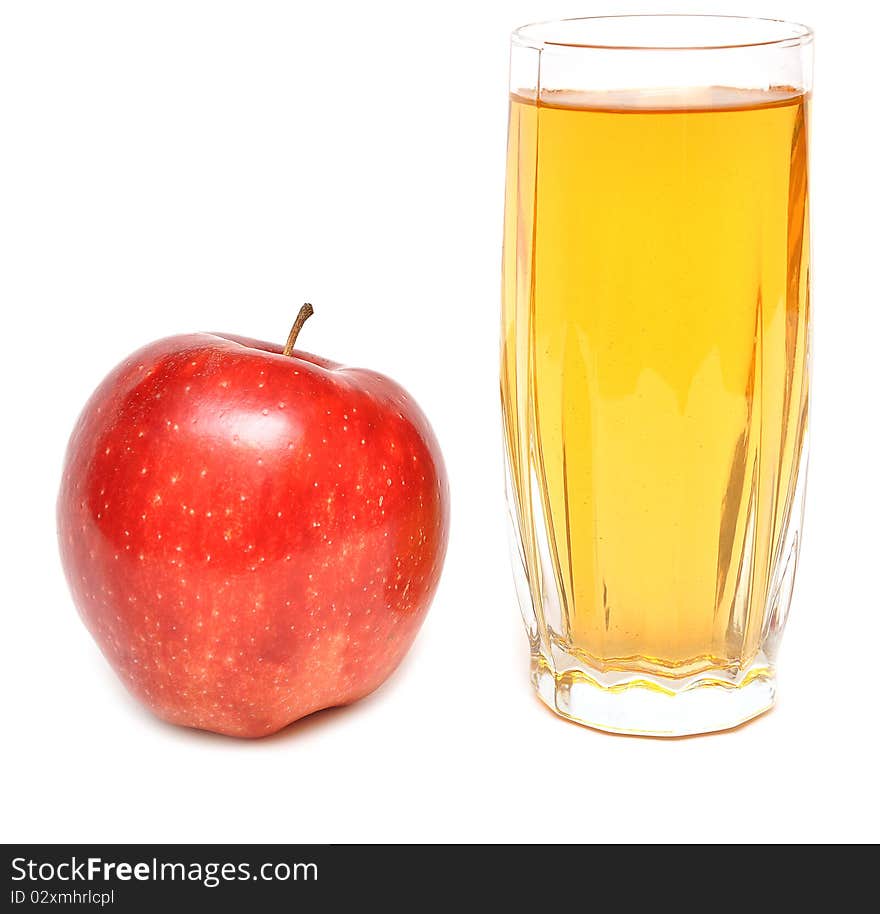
(524, 36)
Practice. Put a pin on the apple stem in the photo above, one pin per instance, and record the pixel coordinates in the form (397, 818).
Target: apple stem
(304, 314)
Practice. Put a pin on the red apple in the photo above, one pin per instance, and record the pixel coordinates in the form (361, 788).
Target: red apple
(251, 534)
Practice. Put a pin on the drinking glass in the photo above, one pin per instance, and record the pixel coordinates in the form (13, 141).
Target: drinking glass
(655, 361)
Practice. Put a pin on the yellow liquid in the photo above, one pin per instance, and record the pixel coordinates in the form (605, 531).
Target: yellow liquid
(654, 369)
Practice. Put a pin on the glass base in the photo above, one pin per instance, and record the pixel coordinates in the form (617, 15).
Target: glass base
(645, 705)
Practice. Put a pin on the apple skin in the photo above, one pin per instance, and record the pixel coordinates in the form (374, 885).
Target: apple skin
(248, 536)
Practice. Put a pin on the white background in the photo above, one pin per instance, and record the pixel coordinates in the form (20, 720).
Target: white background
(175, 166)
